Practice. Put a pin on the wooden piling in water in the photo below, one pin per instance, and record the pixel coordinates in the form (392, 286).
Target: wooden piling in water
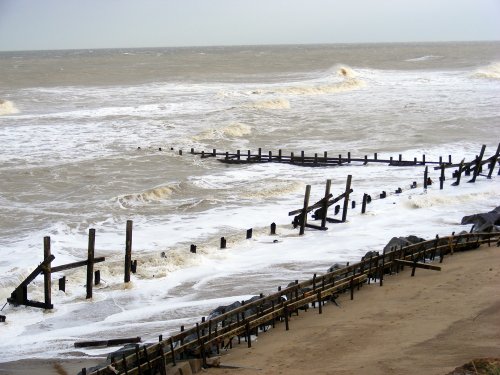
(325, 203)
(222, 243)
(441, 178)
(47, 274)
(128, 250)
(249, 233)
(346, 198)
(273, 228)
(62, 284)
(90, 262)
(426, 173)
(477, 168)
(363, 204)
(303, 220)
(192, 248)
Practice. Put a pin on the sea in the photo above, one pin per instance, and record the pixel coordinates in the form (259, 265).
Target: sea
(91, 139)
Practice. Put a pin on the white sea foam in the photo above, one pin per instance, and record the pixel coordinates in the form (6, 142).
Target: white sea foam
(279, 103)
(233, 130)
(491, 71)
(7, 108)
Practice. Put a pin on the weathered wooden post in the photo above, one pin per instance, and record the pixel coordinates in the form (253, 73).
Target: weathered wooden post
(441, 178)
(273, 228)
(97, 277)
(303, 220)
(47, 274)
(270, 156)
(238, 155)
(349, 157)
(180, 152)
(62, 284)
(325, 203)
(426, 173)
(249, 233)
(493, 162)
(459, 173)
(477, 168)
(222, 243)
(279, 154)
(375, 156)
(192, 248)
(128, 250)
(90, 262)
(346, 198)
(260, 154)
(325, 156)
(363, 204)
(366, 160)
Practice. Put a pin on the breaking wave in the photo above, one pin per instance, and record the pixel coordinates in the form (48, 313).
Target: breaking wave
(491, 71)
(272, 104)
(344, 79)
(424, 58)
(7, 108)
(233, 130)
(274, 189)
(156, 194)
(432, 200)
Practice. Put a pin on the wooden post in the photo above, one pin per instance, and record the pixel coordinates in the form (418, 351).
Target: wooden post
(180, 152)
(423, 159)
(363, 204)
(192, 248)
(325, 203)
(349, 157)
(279, 154)
(90, 262)
(97, 277)
(459, 173)
(346, 198)
(493, 162)
(222, 243)
(273, 228)
(426, 172)
(325, 156)
(47, 280)
(375, 156)
(304, 211)
(477, 168)
(62, 284)
(441, 179)
(249, 233)
(128, 250)
(366, 160)
(260, 154)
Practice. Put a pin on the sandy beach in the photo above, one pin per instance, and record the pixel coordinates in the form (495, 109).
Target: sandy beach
(427, 324)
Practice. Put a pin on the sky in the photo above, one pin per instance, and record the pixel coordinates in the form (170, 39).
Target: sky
(82, 24)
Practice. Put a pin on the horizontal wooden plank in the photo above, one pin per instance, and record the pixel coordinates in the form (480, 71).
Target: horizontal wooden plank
(81, 263)
(426, 266)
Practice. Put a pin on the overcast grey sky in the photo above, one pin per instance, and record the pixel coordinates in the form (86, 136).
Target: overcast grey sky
(73, 24)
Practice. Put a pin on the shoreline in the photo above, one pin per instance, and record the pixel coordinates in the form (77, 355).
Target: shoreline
(427, 324)
(430, 323)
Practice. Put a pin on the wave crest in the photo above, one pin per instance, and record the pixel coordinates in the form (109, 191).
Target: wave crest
(233, 130)
(153, 195)
(279, 103)
(7, 108)
(491, 71)
(274, 189)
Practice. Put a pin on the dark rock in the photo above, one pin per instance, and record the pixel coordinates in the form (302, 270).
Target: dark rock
(398, 242)
(484, 222)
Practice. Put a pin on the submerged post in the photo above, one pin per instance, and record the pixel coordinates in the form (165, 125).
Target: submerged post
(47, 282)
(128, 250)
(90, 262)
(426, 173)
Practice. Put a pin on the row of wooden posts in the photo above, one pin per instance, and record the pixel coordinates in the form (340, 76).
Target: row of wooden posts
(207, 338)
(20, 295)
(239, 157)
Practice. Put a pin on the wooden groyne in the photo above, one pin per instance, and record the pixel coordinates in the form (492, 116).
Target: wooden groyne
(475, 167)
(255, 316)
(324, 159)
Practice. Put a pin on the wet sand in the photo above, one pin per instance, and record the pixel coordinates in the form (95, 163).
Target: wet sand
(427, 324)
